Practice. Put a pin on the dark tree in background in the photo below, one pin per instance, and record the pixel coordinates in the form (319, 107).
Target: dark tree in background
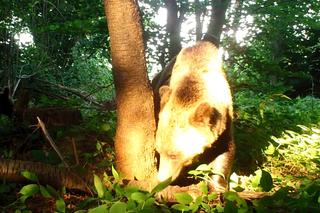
(217, 19)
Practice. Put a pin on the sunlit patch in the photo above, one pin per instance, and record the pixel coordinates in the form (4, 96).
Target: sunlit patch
(24, 38)
(215, 64)
(162, 12)
(169, 168)
(165, 169)
(190, 141)
(218, 84)
(137, 136)
(164, 118)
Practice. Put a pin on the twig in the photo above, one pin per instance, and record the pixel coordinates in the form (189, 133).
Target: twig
(76, 92)
(52, 143)
(75, 152)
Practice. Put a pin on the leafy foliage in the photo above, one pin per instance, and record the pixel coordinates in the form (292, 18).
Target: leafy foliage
(258, 117)
(274, 71)
(117, 198)
(33, 189)
(297, 153)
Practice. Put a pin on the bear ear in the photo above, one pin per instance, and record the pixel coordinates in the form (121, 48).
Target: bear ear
(164, 93)
(204, 115)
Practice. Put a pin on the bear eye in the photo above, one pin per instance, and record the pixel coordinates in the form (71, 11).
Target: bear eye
(172, 156)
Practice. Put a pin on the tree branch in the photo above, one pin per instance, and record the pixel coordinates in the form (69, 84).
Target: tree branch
(76, 92)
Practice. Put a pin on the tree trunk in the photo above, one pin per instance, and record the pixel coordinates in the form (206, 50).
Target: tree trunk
(218, 11)
(174, 26)
(134, 141)
(199, 11)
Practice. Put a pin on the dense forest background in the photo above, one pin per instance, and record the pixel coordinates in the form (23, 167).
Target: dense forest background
(55, 54)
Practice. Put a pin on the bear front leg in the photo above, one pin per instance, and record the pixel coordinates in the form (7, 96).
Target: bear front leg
(222, 166)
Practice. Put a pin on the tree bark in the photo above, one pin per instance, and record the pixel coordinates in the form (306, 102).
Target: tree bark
(10, 170)
(218, 11)
(174, 26)
(134, 141)
(199, 11)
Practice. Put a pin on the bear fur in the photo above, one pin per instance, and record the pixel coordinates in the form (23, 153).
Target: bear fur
(195, 119)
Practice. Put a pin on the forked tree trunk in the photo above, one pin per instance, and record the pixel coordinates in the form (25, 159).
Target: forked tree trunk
(217, 20)
(134, 141)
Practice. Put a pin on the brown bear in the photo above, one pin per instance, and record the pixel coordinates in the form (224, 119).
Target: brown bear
(195, 119)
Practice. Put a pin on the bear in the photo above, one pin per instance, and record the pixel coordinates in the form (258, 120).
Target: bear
(6, 105)
(195, 118)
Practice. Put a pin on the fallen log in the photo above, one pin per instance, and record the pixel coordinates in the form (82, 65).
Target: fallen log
(10, 170)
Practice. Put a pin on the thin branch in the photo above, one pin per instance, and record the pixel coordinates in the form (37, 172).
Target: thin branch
(76, 92)
(75, 152)
(52, 143)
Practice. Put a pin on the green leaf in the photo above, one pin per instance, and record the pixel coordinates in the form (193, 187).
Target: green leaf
(232, 196)
(161, 186)
(118, 207)
(108, 196)
(238, 189)
(195, 206)
(198, 200)
(23, 198)
(139, 197)
(115, 174)
(230, 207)
(52, 191)
(99, 209)
(99, 186)
(99, 146)
(212, 196)
(129, 190)
(195, 172)
(181, 207)
(30, 175)
(150, 201)
(205, 206)
(60, 206)
(203, 187)
(183, 198)
(204, 167)
(87, 202)
(29, 190)
(131, 206)
(266, 181)
(44, 192)
(105, 127)
(262, 179)
(270, 150)
(119, 190)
